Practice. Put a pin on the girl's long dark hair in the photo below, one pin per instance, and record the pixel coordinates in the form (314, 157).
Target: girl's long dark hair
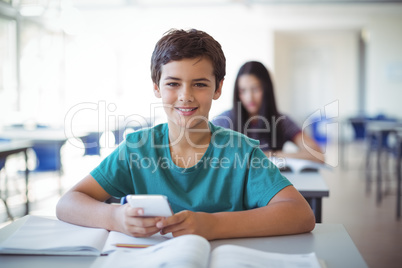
(268, 108)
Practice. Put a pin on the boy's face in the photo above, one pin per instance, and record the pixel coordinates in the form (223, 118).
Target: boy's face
(187, 88)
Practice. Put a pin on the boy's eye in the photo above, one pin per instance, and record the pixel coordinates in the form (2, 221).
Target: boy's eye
(201, 85)
(172, 84)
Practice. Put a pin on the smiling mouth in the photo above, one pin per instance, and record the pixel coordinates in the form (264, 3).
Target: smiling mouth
(187, 109)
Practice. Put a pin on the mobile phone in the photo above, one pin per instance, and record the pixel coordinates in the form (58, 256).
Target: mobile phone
(153, 205)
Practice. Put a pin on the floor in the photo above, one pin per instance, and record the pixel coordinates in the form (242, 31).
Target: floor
(374, 228)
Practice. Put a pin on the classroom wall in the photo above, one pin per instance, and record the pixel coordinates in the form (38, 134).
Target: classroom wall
(108, 54)
(315, 68)
(130, 35)
(248, 33)
(384, 69)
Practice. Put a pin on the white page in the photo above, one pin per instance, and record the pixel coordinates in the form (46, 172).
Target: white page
(237, 256)
(295, 164)
(40, 235)
(120, 238)
(187, 251)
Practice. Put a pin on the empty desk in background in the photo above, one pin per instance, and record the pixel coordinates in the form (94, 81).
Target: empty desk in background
(376, 138)
(363, 127)
(312, 187)
(330, 242)
(47, 143)
(14, 147)
(119, 130)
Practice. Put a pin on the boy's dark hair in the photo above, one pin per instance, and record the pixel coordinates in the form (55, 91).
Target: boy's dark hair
(180, 44)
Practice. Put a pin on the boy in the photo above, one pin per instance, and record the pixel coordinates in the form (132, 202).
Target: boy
(219, 183)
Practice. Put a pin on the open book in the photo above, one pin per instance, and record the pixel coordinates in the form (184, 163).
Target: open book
(44, 236)
(195, 251)
(296, 165)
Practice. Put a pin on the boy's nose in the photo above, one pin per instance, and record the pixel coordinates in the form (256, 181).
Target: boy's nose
(186, 95)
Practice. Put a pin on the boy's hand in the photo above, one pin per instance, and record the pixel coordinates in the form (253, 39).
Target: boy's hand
(134, 224)
(188, 222)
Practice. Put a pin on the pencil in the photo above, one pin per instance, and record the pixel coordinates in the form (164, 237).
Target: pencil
(131, 245)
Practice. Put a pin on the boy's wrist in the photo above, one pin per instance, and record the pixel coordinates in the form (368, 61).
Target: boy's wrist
(114, 223)
(219, 228)
(230, 224)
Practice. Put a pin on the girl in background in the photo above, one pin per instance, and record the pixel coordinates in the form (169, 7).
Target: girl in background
(255, 114)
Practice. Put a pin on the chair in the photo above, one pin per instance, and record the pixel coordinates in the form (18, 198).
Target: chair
(319, 131)
(91, 142)
(120, 134)
(359, 126)
(48, 156)
(47, 153)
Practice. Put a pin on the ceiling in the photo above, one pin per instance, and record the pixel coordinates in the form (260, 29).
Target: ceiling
(95, 4)
(38, 7)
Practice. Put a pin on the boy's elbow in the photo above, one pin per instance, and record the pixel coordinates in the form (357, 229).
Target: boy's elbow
(308, 223)
(304, 219)
(61, 208)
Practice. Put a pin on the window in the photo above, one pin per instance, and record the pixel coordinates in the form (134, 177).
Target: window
(8, 67)
(41, 73)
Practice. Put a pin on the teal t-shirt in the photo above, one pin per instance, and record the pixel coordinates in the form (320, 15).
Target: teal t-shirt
(232, 175)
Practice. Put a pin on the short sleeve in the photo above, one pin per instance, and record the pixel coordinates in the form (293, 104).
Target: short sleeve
(264, 180)
(113, 173)
(290, 128)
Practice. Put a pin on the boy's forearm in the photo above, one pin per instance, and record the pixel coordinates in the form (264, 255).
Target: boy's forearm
(81, 209)
(278, 219)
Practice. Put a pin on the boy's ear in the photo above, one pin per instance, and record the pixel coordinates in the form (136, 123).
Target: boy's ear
(156, 91)
(218, 91)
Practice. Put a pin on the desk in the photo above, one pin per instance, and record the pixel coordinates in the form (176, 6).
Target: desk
(47, 143)
(377, 133)
(13, 147)
(312, 187)
(330, 242)
(118, 128)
